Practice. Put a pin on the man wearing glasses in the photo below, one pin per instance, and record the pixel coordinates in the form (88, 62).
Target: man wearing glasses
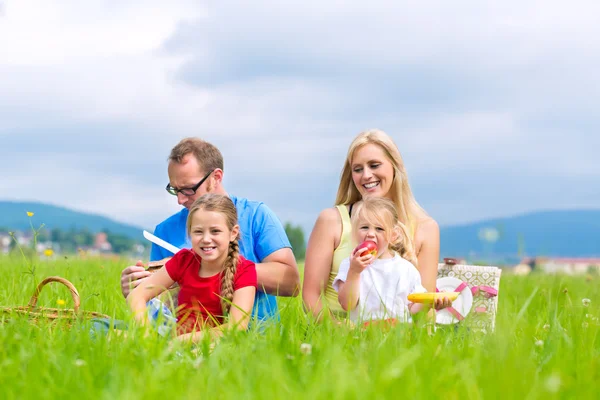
(196, 168)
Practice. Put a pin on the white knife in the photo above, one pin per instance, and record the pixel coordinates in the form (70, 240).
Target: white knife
(161, 243)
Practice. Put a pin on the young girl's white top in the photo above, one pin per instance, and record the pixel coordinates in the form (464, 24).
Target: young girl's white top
(384, 288)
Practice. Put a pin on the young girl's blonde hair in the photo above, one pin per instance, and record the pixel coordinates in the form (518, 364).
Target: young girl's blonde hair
(380, 211)
(408, 210)
(221, 204)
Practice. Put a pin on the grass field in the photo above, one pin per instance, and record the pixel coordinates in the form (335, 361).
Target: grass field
(546, 345)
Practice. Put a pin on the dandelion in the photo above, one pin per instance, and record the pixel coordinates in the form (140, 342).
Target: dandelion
(306, 348)
(60, 302)
(48, 252)
(547, 327)
(79, 363)
(539, 343)
(586, 302)
(553, 383)
(29, 214)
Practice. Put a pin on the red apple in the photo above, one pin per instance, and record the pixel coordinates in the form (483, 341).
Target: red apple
(371, 247)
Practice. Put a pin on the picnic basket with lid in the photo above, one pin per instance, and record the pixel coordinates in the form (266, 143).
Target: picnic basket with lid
(35, 314)
(479, 285)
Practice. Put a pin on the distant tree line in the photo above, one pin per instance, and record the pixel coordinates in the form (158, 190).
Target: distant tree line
(295, 235)
(69, 241)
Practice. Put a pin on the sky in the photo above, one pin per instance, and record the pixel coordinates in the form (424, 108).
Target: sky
(494, 107)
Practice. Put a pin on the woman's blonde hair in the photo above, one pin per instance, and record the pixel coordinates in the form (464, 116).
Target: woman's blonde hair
(221, 204)
(381, 211)
(409, 211)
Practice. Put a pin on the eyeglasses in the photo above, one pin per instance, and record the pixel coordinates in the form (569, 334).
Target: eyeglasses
(187, 191)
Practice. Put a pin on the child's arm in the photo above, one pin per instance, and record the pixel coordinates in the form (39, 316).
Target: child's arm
(349, 291)
(239, 316)
(415, 307)
(241, 308)
(148, 289)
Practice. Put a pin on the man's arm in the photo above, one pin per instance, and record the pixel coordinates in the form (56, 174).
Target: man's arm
(278, 274)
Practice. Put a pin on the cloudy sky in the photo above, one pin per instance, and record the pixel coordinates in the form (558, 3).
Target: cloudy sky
(494, 107)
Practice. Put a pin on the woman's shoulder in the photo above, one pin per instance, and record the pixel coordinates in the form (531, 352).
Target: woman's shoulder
(330, 214)
(427, 226)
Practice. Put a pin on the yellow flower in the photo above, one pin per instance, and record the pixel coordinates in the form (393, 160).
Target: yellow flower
(29, 214)
(48, 252)
(60, 302)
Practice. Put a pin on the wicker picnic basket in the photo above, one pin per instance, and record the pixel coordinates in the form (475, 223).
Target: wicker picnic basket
(484, 284)
(36, 314)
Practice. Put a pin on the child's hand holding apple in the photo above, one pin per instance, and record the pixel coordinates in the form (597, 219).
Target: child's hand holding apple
(362, 256)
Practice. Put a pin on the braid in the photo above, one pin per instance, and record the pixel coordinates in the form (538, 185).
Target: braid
(228, 274)
(403, 245)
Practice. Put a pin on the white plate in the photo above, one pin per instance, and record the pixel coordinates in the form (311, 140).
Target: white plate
(462, 304)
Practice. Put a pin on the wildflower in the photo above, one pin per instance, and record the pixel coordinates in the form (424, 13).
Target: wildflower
(60, 302)
(553, 383)
(539, 343)
(306, 348)
(29, 214)
(586, 302)
(547, 327)
(584, 324)
(79, 363)
(48, 252)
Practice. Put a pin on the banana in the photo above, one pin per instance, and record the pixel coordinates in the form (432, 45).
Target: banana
(430, 297)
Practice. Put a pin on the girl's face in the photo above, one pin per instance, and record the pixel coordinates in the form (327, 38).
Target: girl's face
(210, 236)
(372, 171)
(375, 232)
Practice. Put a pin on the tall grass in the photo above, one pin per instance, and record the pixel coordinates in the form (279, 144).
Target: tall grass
(545, 346)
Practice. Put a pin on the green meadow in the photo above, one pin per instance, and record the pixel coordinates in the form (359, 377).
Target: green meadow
(545, 346)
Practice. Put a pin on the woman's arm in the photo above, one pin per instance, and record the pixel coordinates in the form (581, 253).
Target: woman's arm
(239, 316)
(427, 245)
(148, 289)
(323, 240)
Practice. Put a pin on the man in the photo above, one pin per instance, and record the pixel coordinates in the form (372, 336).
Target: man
(196, 168)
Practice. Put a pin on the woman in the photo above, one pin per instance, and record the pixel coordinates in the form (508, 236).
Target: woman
(373, 167)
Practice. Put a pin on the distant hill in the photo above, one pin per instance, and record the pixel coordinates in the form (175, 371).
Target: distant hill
(565, 233)
(570, 233)
(13, 216)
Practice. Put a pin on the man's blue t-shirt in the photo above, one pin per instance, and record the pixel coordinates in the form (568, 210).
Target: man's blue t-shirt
(261, 234)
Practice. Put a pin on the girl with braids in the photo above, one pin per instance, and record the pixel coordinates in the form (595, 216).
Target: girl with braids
(376, 287)
(216, 283)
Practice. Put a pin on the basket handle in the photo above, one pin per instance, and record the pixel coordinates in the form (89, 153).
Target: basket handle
(74, 293)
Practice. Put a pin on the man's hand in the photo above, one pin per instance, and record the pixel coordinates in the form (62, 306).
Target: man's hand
(132, 276)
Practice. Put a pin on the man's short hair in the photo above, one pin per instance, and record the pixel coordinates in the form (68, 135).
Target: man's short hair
(207, 155)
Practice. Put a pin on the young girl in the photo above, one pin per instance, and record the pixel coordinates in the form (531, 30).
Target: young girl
(376, 287)
(215, 281)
